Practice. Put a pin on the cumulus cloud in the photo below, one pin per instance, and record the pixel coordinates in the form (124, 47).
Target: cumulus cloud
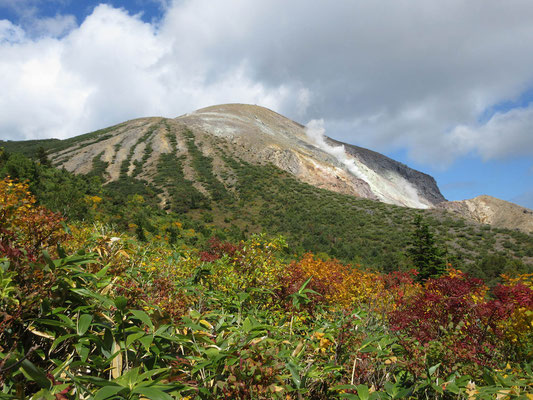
(10, 34)
(53, 26)
(382, 74)
(504, 135)
(111, 68)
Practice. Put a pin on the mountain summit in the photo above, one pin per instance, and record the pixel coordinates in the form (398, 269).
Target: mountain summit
(255, 135)
(196, 156)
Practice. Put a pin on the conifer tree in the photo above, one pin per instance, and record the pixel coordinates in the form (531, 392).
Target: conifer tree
(426, 256)
(42, 157)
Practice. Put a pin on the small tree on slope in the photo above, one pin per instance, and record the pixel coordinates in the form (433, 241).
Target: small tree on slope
(424, 252)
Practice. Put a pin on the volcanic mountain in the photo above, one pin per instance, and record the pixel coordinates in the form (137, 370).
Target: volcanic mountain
(255, 135)
(168, 152)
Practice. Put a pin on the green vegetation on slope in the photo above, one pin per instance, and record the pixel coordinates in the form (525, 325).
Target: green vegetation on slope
(265, 199)
(204, 168)
(30, 147)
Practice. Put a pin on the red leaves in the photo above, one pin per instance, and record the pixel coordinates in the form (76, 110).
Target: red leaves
(398, 279)
(218, 249)
(453, 314)
(518, 294)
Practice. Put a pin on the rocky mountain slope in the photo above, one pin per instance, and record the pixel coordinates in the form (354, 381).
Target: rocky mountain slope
(234, 170)
(492, 211)
(142, 148)
(256, 135)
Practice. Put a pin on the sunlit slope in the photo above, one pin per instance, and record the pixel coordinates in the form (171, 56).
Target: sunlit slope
(256, 135)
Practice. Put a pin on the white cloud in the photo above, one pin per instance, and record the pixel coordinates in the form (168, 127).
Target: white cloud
(10, 33)
(111, 68)
(504, 135)
(382, 74)
(56, 26)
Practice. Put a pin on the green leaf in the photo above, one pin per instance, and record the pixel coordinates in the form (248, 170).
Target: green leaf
(343, 387)
(83, 323)
(247, 325)
(295, 374)
(152, 372)
(129, 379)
(362, 392)
(121, 302)
(212, 352)
(350, 396)
(60, 251)
(391, 389)
(488, 378)
(146, 341)
(133, 337)
(100, 274)
(83, 351)
(60, 340)
(152, 393)
(403, 393)
(107, 391)
(433, 369)
(437, 388)
(452, 388)
(142, 316)
(36, 374)
(48, 260)
(53, 322)
(61, 367)
(95, 380)
(43, 394)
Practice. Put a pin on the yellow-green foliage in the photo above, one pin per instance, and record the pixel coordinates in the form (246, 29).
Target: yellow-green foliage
(254, 265)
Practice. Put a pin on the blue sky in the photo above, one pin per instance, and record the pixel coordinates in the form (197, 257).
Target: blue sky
(446, 90)
(149, 10)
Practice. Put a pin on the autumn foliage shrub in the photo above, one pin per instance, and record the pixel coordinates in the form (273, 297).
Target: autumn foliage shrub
(160, 297)
(25, 228)
(515, 295)
(335, 282)
(217, 249)
(254, 263)
(452, 321)
(26, 231)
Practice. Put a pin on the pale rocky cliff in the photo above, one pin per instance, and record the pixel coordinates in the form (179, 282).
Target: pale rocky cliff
(490, 210)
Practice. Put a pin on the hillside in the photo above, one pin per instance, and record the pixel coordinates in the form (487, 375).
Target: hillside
(492, 211)
(252, 134)
(231, 184)
(260, 136)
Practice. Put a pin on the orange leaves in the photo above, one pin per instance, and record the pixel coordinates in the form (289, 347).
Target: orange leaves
(337, 283)
(23, 225)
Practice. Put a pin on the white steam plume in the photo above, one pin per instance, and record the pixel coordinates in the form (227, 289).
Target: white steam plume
(316, 132)
(391, 189)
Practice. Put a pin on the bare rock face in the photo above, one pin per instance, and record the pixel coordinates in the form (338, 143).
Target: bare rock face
(385, 166)
(258, 136)
(266, 136)
(490, 210)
